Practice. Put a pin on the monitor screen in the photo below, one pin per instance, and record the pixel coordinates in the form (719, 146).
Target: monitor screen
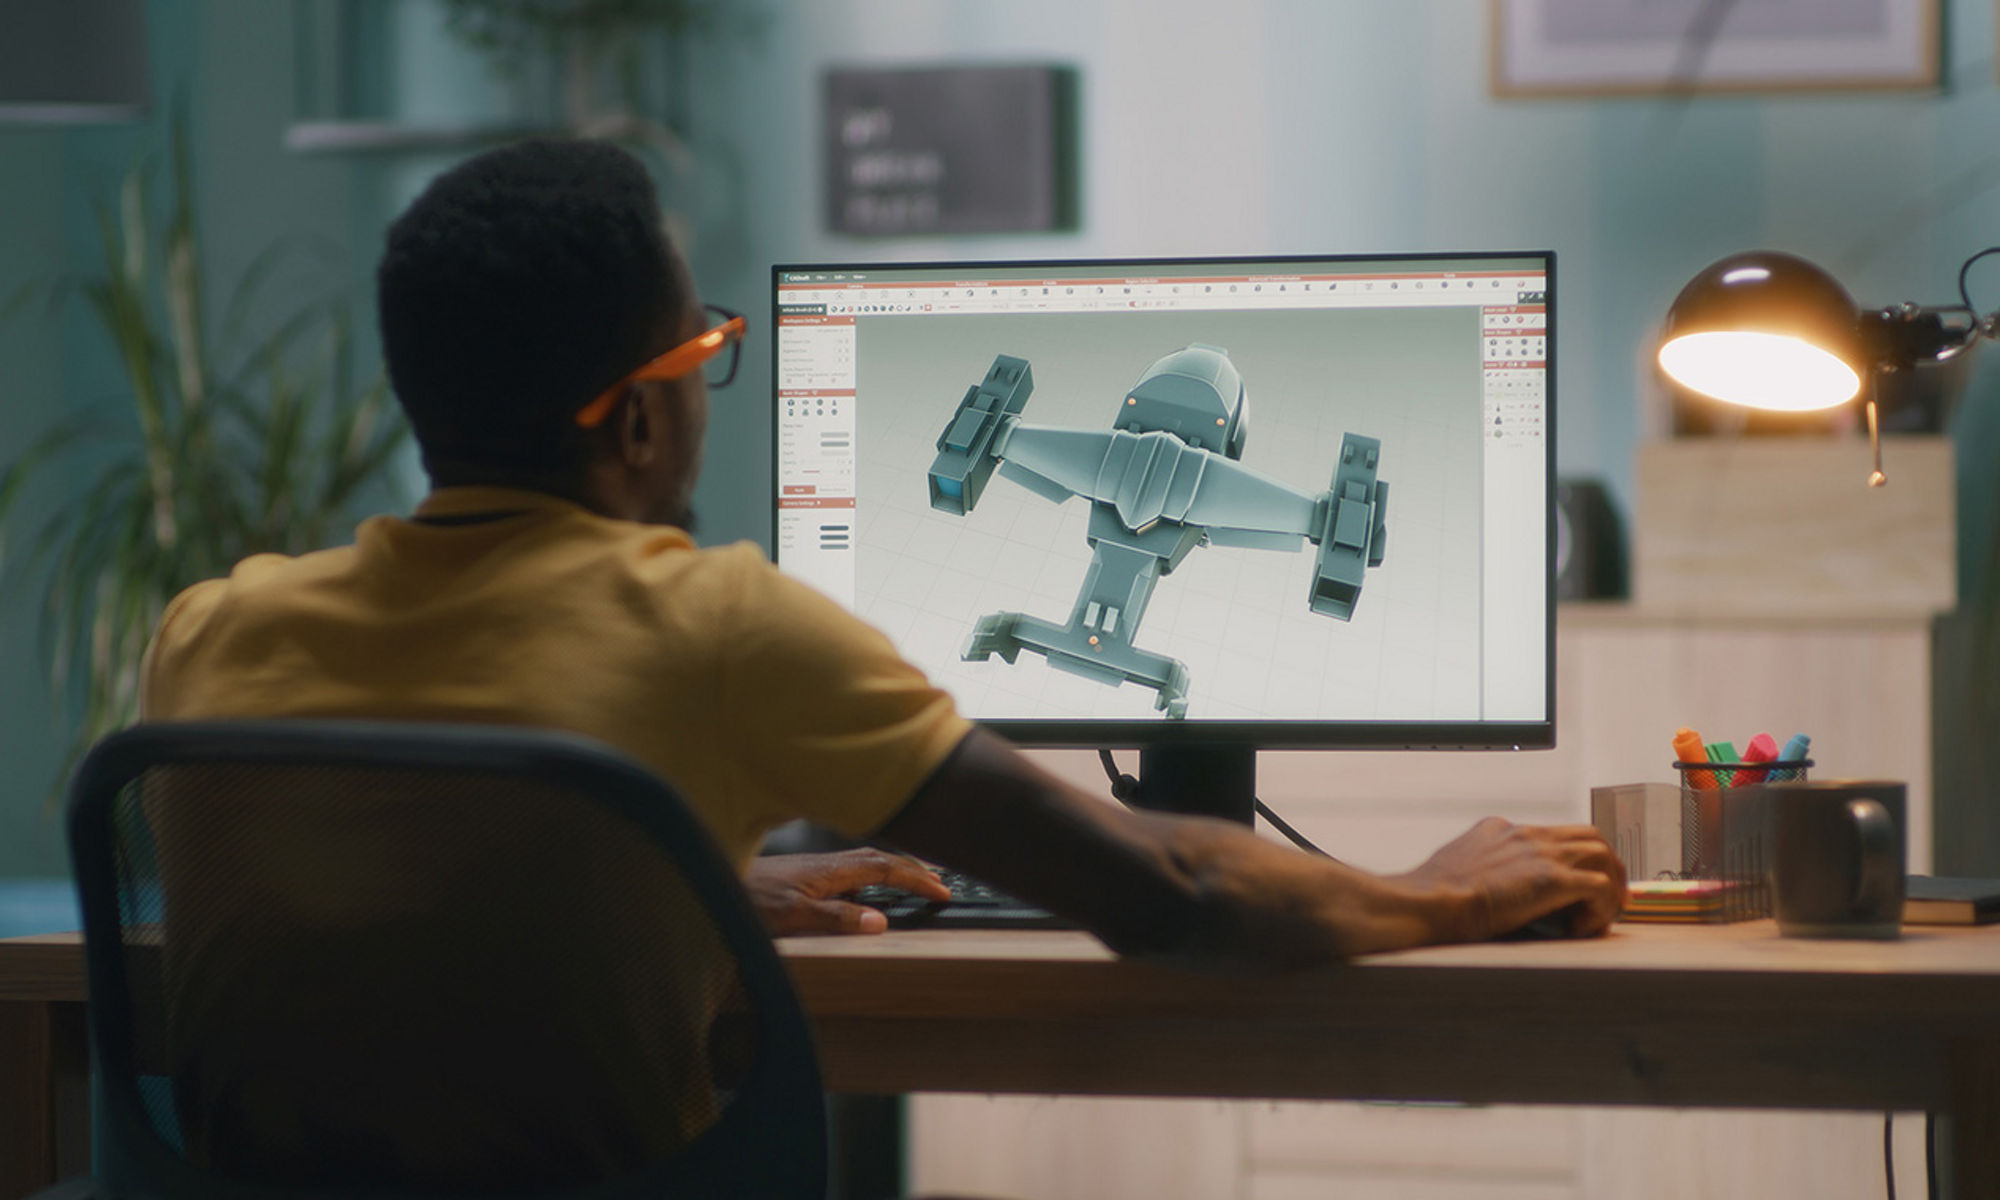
(1281, 502)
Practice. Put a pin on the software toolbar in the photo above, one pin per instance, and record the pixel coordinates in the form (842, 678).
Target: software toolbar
(813, 296)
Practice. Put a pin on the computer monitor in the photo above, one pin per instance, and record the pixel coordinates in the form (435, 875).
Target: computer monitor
(1200, 506)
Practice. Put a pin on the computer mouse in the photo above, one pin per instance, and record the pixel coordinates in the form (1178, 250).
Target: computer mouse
(1548, 925)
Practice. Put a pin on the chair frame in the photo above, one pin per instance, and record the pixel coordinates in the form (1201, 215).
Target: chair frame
(782, 1093)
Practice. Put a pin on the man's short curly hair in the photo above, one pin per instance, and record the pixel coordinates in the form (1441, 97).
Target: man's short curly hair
(520, 284)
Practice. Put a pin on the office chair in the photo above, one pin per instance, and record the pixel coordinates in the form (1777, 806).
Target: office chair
(366, 959)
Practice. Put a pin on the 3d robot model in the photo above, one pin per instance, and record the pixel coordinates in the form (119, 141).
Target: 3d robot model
(1163, 480)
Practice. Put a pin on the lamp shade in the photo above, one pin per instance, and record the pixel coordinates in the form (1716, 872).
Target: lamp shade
(71, 61)
(1767, 330)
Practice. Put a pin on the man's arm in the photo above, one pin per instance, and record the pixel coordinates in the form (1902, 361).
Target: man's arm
(1211, 893)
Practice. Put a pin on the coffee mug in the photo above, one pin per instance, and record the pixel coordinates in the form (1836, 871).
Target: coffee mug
(1837, 862)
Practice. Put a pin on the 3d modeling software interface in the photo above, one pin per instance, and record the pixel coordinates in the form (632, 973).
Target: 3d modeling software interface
(1271, 491)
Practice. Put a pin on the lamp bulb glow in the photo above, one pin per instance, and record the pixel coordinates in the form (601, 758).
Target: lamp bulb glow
(1760, 370)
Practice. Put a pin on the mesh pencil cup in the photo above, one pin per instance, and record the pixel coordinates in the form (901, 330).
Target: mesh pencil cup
(1726, 830)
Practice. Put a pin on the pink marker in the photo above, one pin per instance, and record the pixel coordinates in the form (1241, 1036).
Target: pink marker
(1763, 748)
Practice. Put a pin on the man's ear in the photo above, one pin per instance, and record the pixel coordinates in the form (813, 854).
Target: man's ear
(638, 432)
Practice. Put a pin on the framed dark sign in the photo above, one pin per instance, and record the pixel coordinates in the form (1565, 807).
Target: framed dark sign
(1610, 47)
(917, 150)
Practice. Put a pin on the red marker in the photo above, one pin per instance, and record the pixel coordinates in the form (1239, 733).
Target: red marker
(1763, 748)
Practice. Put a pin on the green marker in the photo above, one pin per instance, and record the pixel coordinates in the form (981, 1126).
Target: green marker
(1722, 752)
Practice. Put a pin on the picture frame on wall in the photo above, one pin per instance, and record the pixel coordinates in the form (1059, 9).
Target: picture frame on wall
(1667, 47)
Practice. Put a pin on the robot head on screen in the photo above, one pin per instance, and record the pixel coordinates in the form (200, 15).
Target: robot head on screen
(1197, 395)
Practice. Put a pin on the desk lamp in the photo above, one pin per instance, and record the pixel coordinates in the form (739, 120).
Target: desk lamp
(1772, 331)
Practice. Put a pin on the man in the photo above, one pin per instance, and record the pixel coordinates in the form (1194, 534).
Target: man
(547, 580)
(548, 346)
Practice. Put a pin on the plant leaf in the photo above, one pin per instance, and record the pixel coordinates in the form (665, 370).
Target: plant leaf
(183, 279)
(240, 445)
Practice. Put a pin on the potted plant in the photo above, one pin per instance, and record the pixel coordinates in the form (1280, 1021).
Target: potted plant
(224, 445)
(596, 46)
(601, 55)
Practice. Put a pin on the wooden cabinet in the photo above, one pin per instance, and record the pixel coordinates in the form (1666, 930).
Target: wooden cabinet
(1059, 1149)
(1626, 679)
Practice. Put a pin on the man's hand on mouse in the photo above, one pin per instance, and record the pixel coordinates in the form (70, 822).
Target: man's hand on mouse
(1512, 874)
(803, 893)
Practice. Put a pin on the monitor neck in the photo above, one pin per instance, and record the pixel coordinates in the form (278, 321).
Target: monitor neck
(1199, 779)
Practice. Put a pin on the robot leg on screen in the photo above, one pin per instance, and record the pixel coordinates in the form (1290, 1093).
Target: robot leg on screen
(1097, 641)
(1163, 480)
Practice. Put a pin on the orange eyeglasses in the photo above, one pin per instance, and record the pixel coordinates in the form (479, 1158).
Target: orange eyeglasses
(703, 350)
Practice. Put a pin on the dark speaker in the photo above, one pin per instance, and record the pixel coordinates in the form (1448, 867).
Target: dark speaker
(1590, 543)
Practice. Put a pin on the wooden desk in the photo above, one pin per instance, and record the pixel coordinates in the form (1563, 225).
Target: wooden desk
(1728, 1016)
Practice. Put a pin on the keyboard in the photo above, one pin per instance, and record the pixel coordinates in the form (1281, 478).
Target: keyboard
(973, 905)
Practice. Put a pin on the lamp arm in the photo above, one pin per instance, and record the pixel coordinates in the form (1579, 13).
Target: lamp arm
(1987, 326)
(1909, 335)
(1906, 336)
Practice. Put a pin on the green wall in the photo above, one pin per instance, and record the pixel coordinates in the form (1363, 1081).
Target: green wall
(1261, 126)
(32, 197)
(229, 62)
(1299, 126)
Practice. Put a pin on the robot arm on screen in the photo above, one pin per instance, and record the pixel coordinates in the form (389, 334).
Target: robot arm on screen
(1163, 480)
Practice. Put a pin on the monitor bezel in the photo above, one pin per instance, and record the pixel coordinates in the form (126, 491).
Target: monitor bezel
(1084, 732)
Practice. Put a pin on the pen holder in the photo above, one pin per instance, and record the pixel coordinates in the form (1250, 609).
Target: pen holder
(1726, 832)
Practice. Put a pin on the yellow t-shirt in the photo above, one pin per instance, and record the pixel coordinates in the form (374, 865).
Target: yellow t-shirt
(758, 698)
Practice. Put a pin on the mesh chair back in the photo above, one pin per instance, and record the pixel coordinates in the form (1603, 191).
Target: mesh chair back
(367, 958)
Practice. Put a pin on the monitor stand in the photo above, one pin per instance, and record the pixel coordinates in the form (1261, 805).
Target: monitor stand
(1199, 779)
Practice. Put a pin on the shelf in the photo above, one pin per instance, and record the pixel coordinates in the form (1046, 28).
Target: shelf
(1625, 614)
(390, 137)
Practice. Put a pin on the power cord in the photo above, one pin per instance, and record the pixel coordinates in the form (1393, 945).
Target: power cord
(1125, 789)
(1297, 839)
(1889, 1151)
(1930, 1153)
(1964, 295)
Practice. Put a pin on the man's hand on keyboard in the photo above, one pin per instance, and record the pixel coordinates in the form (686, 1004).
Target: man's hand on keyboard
(805, 893)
